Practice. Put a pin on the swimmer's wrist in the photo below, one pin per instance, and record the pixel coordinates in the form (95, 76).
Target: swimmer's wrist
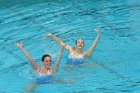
(61, 50)
(21, 48)
(98, 30)
(51, 35)
(63, 45)
(98, 33)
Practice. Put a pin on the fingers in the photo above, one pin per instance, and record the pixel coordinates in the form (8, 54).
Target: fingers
(97, 29)
(48, 35)
(16, 44)
(61, 48)
(19, 45)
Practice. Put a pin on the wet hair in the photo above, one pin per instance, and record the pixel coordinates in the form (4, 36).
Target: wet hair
(46, 55)
(77, 40)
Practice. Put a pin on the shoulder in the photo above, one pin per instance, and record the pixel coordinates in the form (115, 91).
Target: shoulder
(38, 69)
(52, 71)
(69, 48)
(72, 49)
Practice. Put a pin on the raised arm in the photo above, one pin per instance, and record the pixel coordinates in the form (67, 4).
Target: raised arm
(34, 65)
(59, 41)
(90, 50)
(56, 65)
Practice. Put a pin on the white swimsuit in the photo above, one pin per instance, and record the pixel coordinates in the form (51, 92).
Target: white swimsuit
(49, 72)
(77, 57)
(44, 78)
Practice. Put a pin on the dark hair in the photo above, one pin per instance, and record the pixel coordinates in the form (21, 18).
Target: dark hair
(77, 40)
(46, 55)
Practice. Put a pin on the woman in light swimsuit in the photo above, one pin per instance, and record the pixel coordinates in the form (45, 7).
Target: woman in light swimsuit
(41, 70)
(77, 53)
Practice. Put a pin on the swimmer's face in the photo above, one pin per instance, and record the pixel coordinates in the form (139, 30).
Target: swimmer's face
(80, 44)
(47, 62)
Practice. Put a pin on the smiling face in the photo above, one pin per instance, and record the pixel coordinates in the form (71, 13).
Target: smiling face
(80, 44)
(47, 61)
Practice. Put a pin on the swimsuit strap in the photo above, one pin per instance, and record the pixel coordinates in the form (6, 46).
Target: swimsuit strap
(40, 71)
(49, 72)
(79, 56)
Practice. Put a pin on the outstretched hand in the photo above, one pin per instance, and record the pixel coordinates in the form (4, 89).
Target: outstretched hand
(98, 30)
(19, 45)
(61, 48)
(48, 35)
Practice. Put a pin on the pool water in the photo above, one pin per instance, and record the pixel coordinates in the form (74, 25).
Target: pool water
(115, 61)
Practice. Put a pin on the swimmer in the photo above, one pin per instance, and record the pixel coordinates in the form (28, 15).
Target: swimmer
(41, 70)
(77, 53)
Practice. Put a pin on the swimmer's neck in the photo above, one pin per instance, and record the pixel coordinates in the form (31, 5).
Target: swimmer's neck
(78, 50)
(45, 68)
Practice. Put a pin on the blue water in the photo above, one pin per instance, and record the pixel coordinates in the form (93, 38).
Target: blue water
(116, 57)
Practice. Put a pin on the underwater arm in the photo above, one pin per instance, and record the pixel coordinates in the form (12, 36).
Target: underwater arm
(56, 65)
(90, 50)
(32, 62)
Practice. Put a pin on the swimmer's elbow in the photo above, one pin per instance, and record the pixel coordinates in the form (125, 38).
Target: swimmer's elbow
(36, 69)
(55, 70)
(87, 54)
